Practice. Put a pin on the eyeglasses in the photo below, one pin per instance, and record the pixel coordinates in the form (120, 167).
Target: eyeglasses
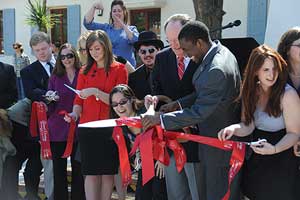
(81, 49)
(122, 102)
(144, 51)
(296, 45)
(69, 56)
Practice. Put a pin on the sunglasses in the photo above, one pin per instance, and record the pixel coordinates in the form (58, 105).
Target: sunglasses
(15, 47)
(122, 102)
(69, 56)
(144, 51)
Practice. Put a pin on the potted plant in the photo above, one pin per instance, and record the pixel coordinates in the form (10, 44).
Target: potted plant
(38, 15)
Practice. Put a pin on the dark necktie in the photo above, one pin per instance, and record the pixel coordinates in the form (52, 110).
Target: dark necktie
(51, 67)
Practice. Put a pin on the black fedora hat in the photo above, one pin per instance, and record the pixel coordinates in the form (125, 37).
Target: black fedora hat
(148, 38)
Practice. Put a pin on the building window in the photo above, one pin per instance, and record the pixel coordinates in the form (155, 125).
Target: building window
(59, 30)
(146, 19)
(1, 32)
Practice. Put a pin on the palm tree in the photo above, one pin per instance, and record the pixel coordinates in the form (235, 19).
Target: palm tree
(39, 17)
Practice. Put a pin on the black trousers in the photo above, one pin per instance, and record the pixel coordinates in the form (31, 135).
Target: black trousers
(26, 150)
(155, 189)
(60, 174)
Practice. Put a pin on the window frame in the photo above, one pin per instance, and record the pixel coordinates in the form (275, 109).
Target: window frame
(63, 35)
(148, 12)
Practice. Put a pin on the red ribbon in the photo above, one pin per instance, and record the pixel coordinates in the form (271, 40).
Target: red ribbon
(71, 135)
(162, 138)
(160, 151)
(144, 143)
(123, 155)
(237, 156)
(39, 124)
(160, 147)
(133, 122)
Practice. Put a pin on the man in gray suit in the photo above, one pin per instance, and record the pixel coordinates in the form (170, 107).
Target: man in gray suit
(211, 106)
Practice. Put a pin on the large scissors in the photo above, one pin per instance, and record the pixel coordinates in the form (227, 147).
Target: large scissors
(259, 142)
(74, 90)
(51, 97)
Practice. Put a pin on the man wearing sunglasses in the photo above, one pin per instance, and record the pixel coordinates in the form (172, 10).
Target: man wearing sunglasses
(146, 47)
(139, 81)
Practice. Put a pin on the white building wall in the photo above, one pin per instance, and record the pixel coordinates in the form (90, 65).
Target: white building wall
(22, 29)
(174, 7)
(234, 10)
(280, 23)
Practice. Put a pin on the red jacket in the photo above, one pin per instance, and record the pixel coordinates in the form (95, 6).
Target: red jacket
(92, 109)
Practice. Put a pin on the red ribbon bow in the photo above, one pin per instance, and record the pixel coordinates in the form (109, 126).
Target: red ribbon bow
(71, 135)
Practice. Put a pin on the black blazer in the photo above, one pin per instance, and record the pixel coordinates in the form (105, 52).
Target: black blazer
(35, 81)
(165, 76)
(165, 81)
(8, 88)
(140, 82)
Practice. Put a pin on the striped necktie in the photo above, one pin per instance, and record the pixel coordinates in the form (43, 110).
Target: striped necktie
(180, 64)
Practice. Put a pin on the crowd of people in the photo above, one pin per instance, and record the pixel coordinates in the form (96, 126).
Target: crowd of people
(196, 88)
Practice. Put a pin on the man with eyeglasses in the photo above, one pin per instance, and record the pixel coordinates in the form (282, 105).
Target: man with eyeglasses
(147, 47)
(172, 77)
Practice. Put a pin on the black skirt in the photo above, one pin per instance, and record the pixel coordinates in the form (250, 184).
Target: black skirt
(99, 152)
(270, 176)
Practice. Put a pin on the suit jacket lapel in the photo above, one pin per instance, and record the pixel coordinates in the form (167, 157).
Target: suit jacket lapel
(173, 65)
(41, 74)
(207, 60)
(41, 70)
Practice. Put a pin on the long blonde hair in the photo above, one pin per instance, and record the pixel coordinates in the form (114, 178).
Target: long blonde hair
(82, 40)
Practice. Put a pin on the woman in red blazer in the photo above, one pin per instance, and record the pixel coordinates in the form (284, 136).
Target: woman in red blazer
(99, 154)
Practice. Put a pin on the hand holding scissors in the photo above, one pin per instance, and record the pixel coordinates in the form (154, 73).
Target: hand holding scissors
(78, 92)
(51, 96)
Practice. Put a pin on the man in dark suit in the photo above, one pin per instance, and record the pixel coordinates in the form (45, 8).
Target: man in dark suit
(147, 47)
(211, 106)
(139, 81)
(172, 77)
(35, 76)
(8, 89)
(8, 95)
(35, 81)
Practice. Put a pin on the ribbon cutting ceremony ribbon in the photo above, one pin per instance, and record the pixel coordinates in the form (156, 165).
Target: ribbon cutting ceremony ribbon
(123, 155)
(71, 135)
(237, 156)
(153, 143)
(39, 124)
(144, 143)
